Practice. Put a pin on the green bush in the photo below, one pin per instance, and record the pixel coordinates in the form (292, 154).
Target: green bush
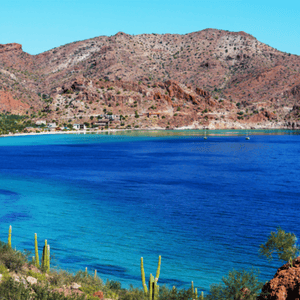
(38, 276)
(4, 272)
(282, 243)
(59, 278)
(132, 294)
(237, 285)
(166, 293)
(13, 290)
(12, 259)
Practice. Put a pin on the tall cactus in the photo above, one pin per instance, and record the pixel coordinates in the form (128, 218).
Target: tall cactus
(158, 267)
(46, 258)
(202, 296)
(196, 293)
(153, 286)
(143, 276)
(155, 290)
(9, 237)
(37, 261)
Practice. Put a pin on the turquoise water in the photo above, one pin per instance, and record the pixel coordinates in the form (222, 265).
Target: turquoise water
(105, 200)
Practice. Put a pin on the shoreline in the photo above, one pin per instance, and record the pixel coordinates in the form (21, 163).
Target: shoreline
(186, 128)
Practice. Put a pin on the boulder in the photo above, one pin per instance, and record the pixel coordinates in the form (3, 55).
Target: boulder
(75, 286)
(285, 285)
(31, 280)
(99, 294)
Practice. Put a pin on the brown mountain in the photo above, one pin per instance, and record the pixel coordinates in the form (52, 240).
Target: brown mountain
(211, 78)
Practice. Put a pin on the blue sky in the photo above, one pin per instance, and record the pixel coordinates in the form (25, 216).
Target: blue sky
(40, 25)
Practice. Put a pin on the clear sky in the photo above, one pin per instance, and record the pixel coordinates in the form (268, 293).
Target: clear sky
(41, 25)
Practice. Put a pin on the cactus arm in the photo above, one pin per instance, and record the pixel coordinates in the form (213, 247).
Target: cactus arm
(158, 267)
(196, 293)
(48, 259)
(143, 276)
(37, 261)
(9, 237)
(156, 290)
(151, 281)
(45, 257)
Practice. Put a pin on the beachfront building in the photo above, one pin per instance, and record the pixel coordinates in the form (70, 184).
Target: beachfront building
(101, 123)
(41, 122)
(52, 126)
(79, 126)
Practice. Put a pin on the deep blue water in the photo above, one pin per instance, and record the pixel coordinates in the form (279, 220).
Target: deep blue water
(103, 201)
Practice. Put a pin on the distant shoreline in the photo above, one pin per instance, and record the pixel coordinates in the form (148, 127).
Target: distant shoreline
(147, 129)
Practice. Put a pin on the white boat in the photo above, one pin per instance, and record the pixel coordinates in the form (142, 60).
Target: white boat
(247, 137)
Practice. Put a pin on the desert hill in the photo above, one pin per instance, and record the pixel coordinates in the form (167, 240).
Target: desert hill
(211, 78)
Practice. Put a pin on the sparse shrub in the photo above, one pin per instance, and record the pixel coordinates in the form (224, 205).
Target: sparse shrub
(12, 259)
(237, 285)
(4, 272)
(38, 276)
(282, 243)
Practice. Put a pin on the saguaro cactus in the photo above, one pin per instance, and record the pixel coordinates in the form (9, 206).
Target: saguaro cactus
(9, 237)
(143, 276)
(202, 296)
(155, 290)
(46, 258)
(37, 261)
(158, 267)
(195, 291)
(153, 286)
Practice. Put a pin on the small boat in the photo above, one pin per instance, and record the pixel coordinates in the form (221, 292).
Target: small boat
(247, 137)
(205, 137)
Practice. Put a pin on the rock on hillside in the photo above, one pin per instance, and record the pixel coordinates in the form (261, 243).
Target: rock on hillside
(285, 285)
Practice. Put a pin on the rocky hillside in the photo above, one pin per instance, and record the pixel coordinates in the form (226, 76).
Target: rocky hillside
(211, 78)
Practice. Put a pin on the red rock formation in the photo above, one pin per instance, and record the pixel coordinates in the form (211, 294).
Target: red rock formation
(99, 294)
(285, 285)
(8, 103)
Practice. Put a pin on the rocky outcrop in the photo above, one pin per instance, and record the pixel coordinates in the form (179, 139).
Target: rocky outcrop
(99, 295)
(285, 285)
(10, 47)
(8, 103)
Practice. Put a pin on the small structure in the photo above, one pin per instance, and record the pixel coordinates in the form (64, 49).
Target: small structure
(148, 114)
(52, 126)
(79, 126)
(101, 123)
(76, 126)
(41, 122)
